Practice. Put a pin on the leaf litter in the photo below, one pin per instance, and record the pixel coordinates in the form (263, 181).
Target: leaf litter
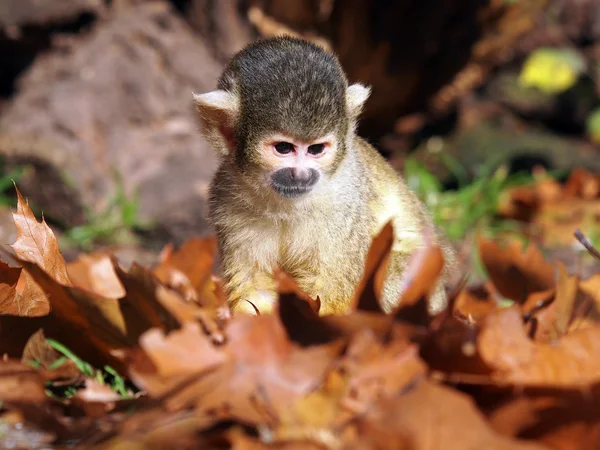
(99, 357)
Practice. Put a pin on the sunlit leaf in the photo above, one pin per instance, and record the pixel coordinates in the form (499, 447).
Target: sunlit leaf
(552, 70)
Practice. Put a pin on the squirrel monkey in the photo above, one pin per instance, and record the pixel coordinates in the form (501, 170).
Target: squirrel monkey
(296, 187)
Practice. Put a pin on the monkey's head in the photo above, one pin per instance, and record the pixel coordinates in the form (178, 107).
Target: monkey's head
(283, 115)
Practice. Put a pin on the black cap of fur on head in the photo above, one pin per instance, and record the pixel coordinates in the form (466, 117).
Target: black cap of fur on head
(287, 85)
(281, 85)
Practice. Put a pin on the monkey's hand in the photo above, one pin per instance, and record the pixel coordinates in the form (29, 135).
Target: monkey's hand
(251, 292)
(257, 302)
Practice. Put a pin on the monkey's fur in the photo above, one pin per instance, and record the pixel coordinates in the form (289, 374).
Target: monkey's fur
(286, 85)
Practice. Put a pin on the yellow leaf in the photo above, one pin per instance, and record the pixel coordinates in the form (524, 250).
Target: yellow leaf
(552, 70)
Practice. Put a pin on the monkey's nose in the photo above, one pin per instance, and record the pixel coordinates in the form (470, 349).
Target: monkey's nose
(300, 175)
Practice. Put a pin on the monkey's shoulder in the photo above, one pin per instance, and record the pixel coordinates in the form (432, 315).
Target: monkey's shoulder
(390, 197)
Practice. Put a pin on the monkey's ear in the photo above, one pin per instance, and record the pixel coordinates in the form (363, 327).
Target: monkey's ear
(356, 96)
(217, 112)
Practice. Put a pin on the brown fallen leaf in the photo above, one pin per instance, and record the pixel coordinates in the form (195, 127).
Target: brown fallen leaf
(95, 272)
(180, 354)
(369, 371)
(240, 441)
(37, 244)
(422, 272)
(95, 400)
(265, 369)
(20, 383)
(20, 295)
(377, 370)
(516, 273)
(87, 323)
(418, 281)
(37, 351)
(286, 285)
(522, 202)
(368, 291)
(439, 418)
(572, 362)
(561, 420)
(316, 417)
(474, 304)
(259, 370)
(140, 307)
(553, 210)
(189, 271)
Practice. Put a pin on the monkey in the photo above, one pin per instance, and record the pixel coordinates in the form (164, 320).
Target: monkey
(296, 187)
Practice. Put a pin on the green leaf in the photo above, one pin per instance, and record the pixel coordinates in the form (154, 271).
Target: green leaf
(420, 179)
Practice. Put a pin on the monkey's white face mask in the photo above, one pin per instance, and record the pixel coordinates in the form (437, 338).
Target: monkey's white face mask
(296, 167)
(293, 167)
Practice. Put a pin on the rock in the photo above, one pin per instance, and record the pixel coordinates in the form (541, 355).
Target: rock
(118, 101)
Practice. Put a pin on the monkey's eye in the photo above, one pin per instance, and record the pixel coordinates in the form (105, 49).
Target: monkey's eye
(284, 148)
(316, 149)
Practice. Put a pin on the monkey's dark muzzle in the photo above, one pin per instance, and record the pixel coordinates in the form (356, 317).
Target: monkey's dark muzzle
(290, 183)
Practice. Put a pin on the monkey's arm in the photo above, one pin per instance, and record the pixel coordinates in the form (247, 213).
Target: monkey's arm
(247, 262)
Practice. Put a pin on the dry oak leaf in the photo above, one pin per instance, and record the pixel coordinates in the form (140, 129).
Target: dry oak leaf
(306, 327)
(37, 244)
(439, 418)
(95, 399)
(81, 316)
(316, 414)
(19, 294)
(523, 202)
(170, 359)
(555, 312)
(255, 373)
(563, 420)
(368, 372)
(19, 383)
(39, 351)
(418, 280)
(95, 272)
(376, 370)
(265, 370)
(140, 307)
(368, 291)
(92, 325)
(188, 271)
(474, 304)
(570, 362)
(516, 273)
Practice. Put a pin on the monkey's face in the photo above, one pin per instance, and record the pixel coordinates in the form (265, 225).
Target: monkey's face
(294, 168)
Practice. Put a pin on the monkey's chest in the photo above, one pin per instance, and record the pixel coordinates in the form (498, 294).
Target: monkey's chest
(299, 257)
(307, 254)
